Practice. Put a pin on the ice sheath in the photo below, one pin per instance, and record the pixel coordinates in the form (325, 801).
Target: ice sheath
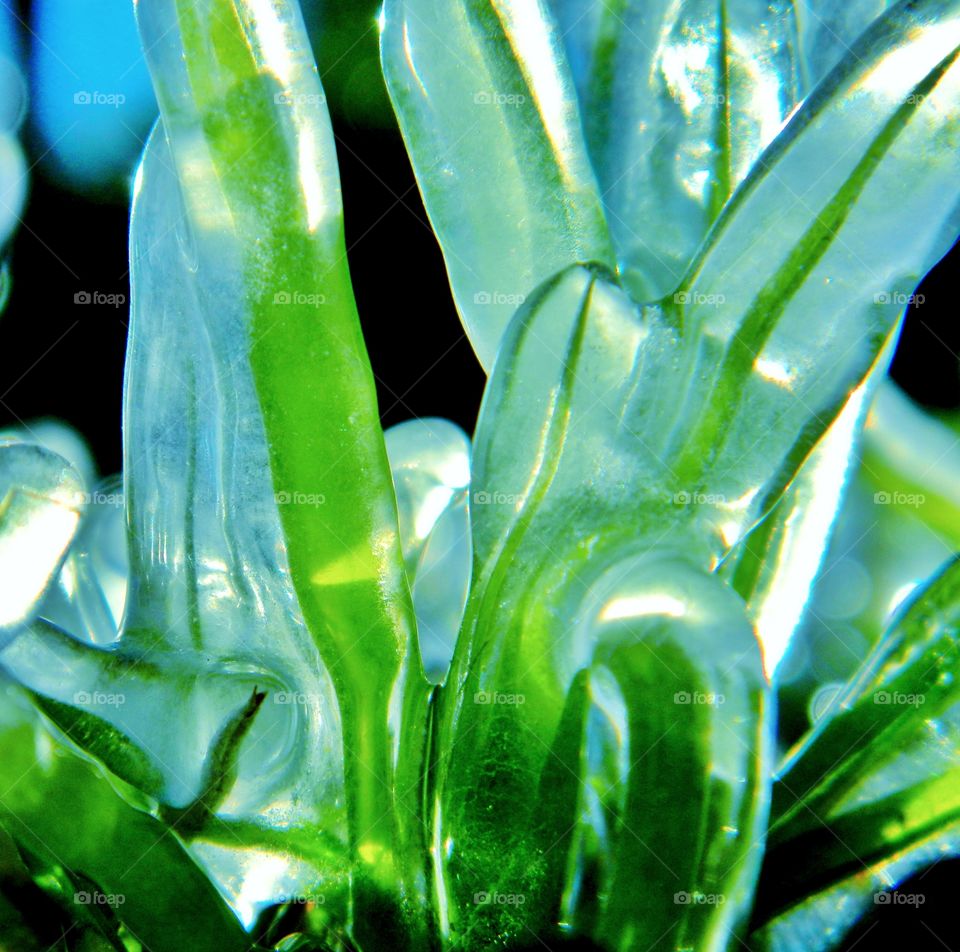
(295, 470)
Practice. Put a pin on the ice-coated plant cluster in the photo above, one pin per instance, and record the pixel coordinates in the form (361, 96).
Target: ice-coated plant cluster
(312, 686)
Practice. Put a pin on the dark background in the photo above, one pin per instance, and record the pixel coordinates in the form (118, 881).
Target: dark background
(65, 360)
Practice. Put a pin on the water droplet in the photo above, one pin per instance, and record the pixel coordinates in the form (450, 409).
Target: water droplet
(821, 701)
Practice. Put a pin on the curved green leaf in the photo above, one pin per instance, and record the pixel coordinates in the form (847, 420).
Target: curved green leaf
(266, 219)
(264, 543)
(245, 117)
(670, 696)
(488, 110)
(208, 615)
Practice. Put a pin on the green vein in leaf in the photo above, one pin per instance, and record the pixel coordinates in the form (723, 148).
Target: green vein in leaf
(189, 522)
(540, 167)
(876, 40)
(505, 63)
(602, 78)
(721, 182)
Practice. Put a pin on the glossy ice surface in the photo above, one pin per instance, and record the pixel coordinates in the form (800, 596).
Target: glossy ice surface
(747, 340)
(41, 498)
(430, 463)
